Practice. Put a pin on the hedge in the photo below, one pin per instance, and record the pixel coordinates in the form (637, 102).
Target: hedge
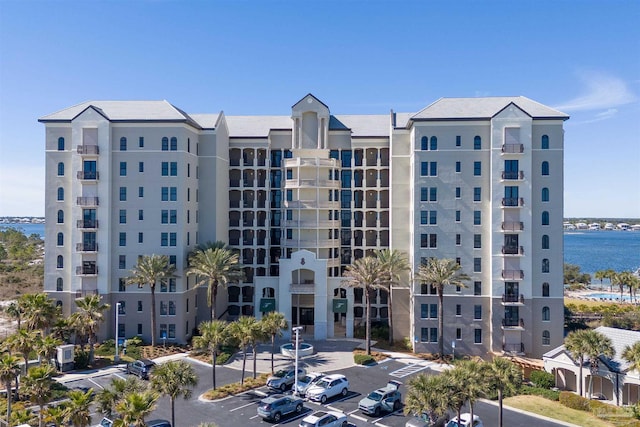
(363, 359)
(574, 401)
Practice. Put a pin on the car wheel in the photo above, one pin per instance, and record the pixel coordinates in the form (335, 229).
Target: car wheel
(344, 392)
(283, 387)
(323, 399)
(345, 424)
(299, 408)
(276, 417)
(377, 411)
(396, 405)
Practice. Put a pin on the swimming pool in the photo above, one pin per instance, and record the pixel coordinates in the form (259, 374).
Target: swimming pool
(609, 296)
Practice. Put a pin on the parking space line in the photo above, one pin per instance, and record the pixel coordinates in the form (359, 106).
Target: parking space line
(95, 383)
(381, 425)
(358, 417)
(293, 419)
(243, 406)
(120, 376)
(388, 415)
(353, 412)
(407, 370)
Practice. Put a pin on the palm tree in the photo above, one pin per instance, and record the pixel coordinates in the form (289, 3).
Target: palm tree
(440, 273)
(425, 396)
(174, 379)
(575, 343)
(369, 274)
(214, 267)
(37, 385)
(273, 323)
(610, 274)
(596, 345)
(243, 330)
(396, 263)
(15, 311)
(89, 317)
(600, 275)
(62, 329)
(22, 416)
(78, 410)
(631, 354)
(627, 278)
(503, 376)
(454, 381)
(214, 334)
(134, 408)
(618, 279)
(470, 380)
(9, 370)
(47, 347)
(107, 398)
(39, 311)
(23, 342)
(55, 415)
(149, 270)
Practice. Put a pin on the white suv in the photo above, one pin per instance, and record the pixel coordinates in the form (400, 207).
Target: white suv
(328, 386)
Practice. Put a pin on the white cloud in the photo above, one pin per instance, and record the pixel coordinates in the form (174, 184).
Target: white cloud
(601, 92)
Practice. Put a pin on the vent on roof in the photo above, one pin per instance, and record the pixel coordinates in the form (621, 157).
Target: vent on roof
(393, 118)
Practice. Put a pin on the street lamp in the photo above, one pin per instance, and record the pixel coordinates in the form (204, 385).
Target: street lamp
(116, 359)
(297, 330)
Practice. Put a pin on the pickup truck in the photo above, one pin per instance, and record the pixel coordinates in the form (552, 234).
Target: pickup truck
(387, 399)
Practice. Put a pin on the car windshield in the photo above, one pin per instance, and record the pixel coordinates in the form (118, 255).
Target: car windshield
(280, 374)
(323, 383)
(374, 395)
(454, 423)
(305, 380)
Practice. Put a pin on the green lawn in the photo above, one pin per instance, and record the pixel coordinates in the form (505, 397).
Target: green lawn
(548, 408)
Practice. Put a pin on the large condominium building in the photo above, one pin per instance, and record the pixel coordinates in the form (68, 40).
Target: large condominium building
(478, 180)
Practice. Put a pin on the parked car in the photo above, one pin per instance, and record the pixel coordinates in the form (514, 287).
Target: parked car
(328, 386)
(158, 423)
(325, 419)
(277, 405)
(387, 399)
(141, 368)
(307, 381)
(284, 378)
(423, 420)
(465, 421)
(105, 422)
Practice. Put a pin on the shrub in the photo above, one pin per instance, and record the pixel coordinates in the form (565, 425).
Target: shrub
(542, 392)
(574, 401)
(136, 341)
(542, 379)
(363, 359)
(223, 358)
(81, 359)
(133, 351)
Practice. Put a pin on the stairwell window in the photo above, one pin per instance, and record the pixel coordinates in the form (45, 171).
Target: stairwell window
(545, 168)
(59, 284)
(424, 143)
(59, 262)
(60, 194)
(546, 338)
(545, 218)
(477, 143)
(544, 142)
(60, 216)
(60, 144)
(545, 194)
(546, 314)
(545, 265)
(545, 289)
(60, 240)
(545, 241)
(123, 144)
(60, 169)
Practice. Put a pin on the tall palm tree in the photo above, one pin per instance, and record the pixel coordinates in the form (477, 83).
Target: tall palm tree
(23, 342)
(37, 385)
(134, 408)
(632, 282)
(440, 273)
(39, 312)
(149, 270)
(23, 416)
(600, 275)
(575, 343)
(273, 323)
(9, 370)
(596, 345)
(243, 330)
(215, 267)
(618, 280)
(78, 408)
(471, 381)
(56, 415)
(503, 376)
(396, 263)
(454, 380)
(213, 334)
(62, 329)
(425, 396)
(369, 274)
(631, 353)
(47, 347)
(610, 274)
(174, 379)
(108, 397)
(15, 311)
(89, 317)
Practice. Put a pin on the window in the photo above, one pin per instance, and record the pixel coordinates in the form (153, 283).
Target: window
(163, 308)
(123, 194)
(164, 239)
(433, 143)
(173, 169)
(60, 239)
(545, 194)
(424, 217)
(122, 284)
(477, 241)
(424, 169)
(165, 144)
(433, 217)
(172, 330)
(458, 238)
(173, 194)
(123, 216)
(458, 333)
(477, 143)
(165, 169)
(477, 194)
(477, 312)
(140, 237)
(60, 194)
(477, 168)
(140, 191)
(458, 309)
(172, 308)
(122, 262)
(141, 142)
(545, 217)
(424, 143)
(174, 143)
(458, 167)
(122, 239)
(429, 241)
(172, 285)
(457, 216)
(123, 144)
(546, 338)
(546, 314)
(164, 216)
(458, 141)
(545, 241)
(172, 239)
(60, 216)
(165, 194)
(59, 284)
(59, 262)
(545, 265)
(121, 307)
(60, 169)
(139, 306)
(429, 169)
(140, 166)
(122, 329)
(458, 192)
(545, 168)
(424, 194)
(139, 328)
(477, 218)
(140, 214)
(545, 142)
(477, 336)
(433, 194)
(545, 289)
(477, 288)
(429, 334)
(477, 265)
(60, 144)
(428, 311)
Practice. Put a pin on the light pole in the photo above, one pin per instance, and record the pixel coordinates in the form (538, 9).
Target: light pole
(297, 330)
(117, 357)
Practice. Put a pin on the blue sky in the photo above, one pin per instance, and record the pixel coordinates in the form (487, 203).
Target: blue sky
(358, 57)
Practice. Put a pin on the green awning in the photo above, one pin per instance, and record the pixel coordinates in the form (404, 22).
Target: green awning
(340, 305)
(267, 305)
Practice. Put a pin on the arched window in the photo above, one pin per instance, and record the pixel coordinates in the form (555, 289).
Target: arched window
(60, 239)
(121, 307)
(60, 169)
(545, 265)
(546, 338)
(60, 216)
(545, 217)
(60, 262)
(545, 241)
(165, 144)
(434, 143)
(59, 304)
(545, 289)
(59, 284)
(545, 168)
(61, 144)
(123, 144)
(545, 194)
(60, 194)
(545, 142)
(477, 143)
(546, 314)
(424, 143)
(174, 143)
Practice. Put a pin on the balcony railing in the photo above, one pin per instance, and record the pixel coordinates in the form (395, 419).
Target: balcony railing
(86, 292)
(512, 148)
(513, 274)
(86, 270)
(513, 226)
(513, 175)
(312, 204)
(302, 288)
(88, 149)
(312, 183)
(87, 223)
(513, 348)
(513, 250)
(513, 298)
(87, 247)
(513, 323)
(87, 201)
(88, 175)
(513, 201)
(310, 162)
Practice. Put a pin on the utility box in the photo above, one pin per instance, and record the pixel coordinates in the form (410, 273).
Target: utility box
(65, 357)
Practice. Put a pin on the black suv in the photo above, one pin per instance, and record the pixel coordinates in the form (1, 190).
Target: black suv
(141, 368)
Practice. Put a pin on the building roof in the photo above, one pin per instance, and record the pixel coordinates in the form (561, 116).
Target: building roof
(206, 121)
(484, 108)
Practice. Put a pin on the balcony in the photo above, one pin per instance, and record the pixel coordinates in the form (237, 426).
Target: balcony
(87, 201)
(512, 226)
(87, 224)
(513, 298)
(513, 348)
(306, 204)
(88, 149)
(87, 247)
(518, 175)
(88, 175)
(331, 223)
(302, 288)
(87, 270)
(513, 202)
(512, 274)
(312, 183)
(512, 323)
(289, 163)
(513, 250)
(512, 148)
(86, 292)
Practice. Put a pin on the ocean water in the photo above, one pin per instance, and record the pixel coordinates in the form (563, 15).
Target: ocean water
(27, 229)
